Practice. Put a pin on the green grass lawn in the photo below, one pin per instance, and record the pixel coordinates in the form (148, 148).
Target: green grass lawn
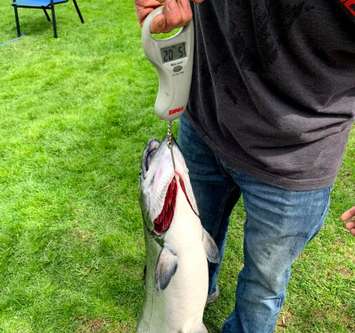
(75, 114)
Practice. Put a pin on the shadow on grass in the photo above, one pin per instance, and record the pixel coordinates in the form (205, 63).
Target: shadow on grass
(35, 25)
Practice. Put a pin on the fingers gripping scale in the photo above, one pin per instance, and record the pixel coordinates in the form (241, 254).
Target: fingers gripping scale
(173, 59)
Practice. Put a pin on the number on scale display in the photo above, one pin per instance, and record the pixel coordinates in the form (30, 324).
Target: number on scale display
(173, 52)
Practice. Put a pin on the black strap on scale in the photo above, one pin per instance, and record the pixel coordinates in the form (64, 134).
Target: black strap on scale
(170, 142)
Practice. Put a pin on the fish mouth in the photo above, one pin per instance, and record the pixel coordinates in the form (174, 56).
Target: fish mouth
(149, 152)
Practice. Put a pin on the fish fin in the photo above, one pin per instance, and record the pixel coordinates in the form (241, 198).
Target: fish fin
(201, 329)
(166, 268)
(211, 248)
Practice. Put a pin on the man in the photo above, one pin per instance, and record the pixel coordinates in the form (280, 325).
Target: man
(270, 110)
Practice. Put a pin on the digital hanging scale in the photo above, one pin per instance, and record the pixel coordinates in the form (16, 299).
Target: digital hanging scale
(173, 60)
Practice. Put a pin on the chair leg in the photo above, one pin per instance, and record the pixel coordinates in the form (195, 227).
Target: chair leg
(18, 29)
(54, 21)
(78, 11)
(45, 13)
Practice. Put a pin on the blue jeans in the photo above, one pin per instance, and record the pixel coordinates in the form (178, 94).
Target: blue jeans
(279, 223)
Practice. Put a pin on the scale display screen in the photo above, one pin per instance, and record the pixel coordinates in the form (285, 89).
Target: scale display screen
(173, 52)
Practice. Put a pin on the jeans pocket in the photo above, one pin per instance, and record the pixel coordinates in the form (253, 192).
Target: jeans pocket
(313, 232)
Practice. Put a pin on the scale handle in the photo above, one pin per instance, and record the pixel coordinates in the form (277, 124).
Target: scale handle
(146, 29)
(147, 24)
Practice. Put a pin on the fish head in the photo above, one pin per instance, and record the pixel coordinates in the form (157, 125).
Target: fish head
(163, 173)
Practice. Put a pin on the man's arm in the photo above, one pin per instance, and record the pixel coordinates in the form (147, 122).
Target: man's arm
(349, 218)
(176, 13)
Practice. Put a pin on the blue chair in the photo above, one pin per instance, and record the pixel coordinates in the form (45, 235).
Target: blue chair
(44, 5)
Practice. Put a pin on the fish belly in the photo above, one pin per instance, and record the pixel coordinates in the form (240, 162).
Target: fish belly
(179, 308)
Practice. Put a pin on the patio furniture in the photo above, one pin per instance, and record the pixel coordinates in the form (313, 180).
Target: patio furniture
(43, 5)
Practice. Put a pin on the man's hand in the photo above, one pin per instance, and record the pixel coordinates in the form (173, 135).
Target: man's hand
(176, 13)
(349, 218)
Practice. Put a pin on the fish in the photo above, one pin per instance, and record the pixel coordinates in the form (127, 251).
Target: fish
(178, 248)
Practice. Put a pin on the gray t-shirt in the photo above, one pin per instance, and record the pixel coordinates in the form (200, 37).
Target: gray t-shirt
(273, 91)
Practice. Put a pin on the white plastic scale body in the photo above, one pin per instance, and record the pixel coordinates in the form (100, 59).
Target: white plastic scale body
(173, 59)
